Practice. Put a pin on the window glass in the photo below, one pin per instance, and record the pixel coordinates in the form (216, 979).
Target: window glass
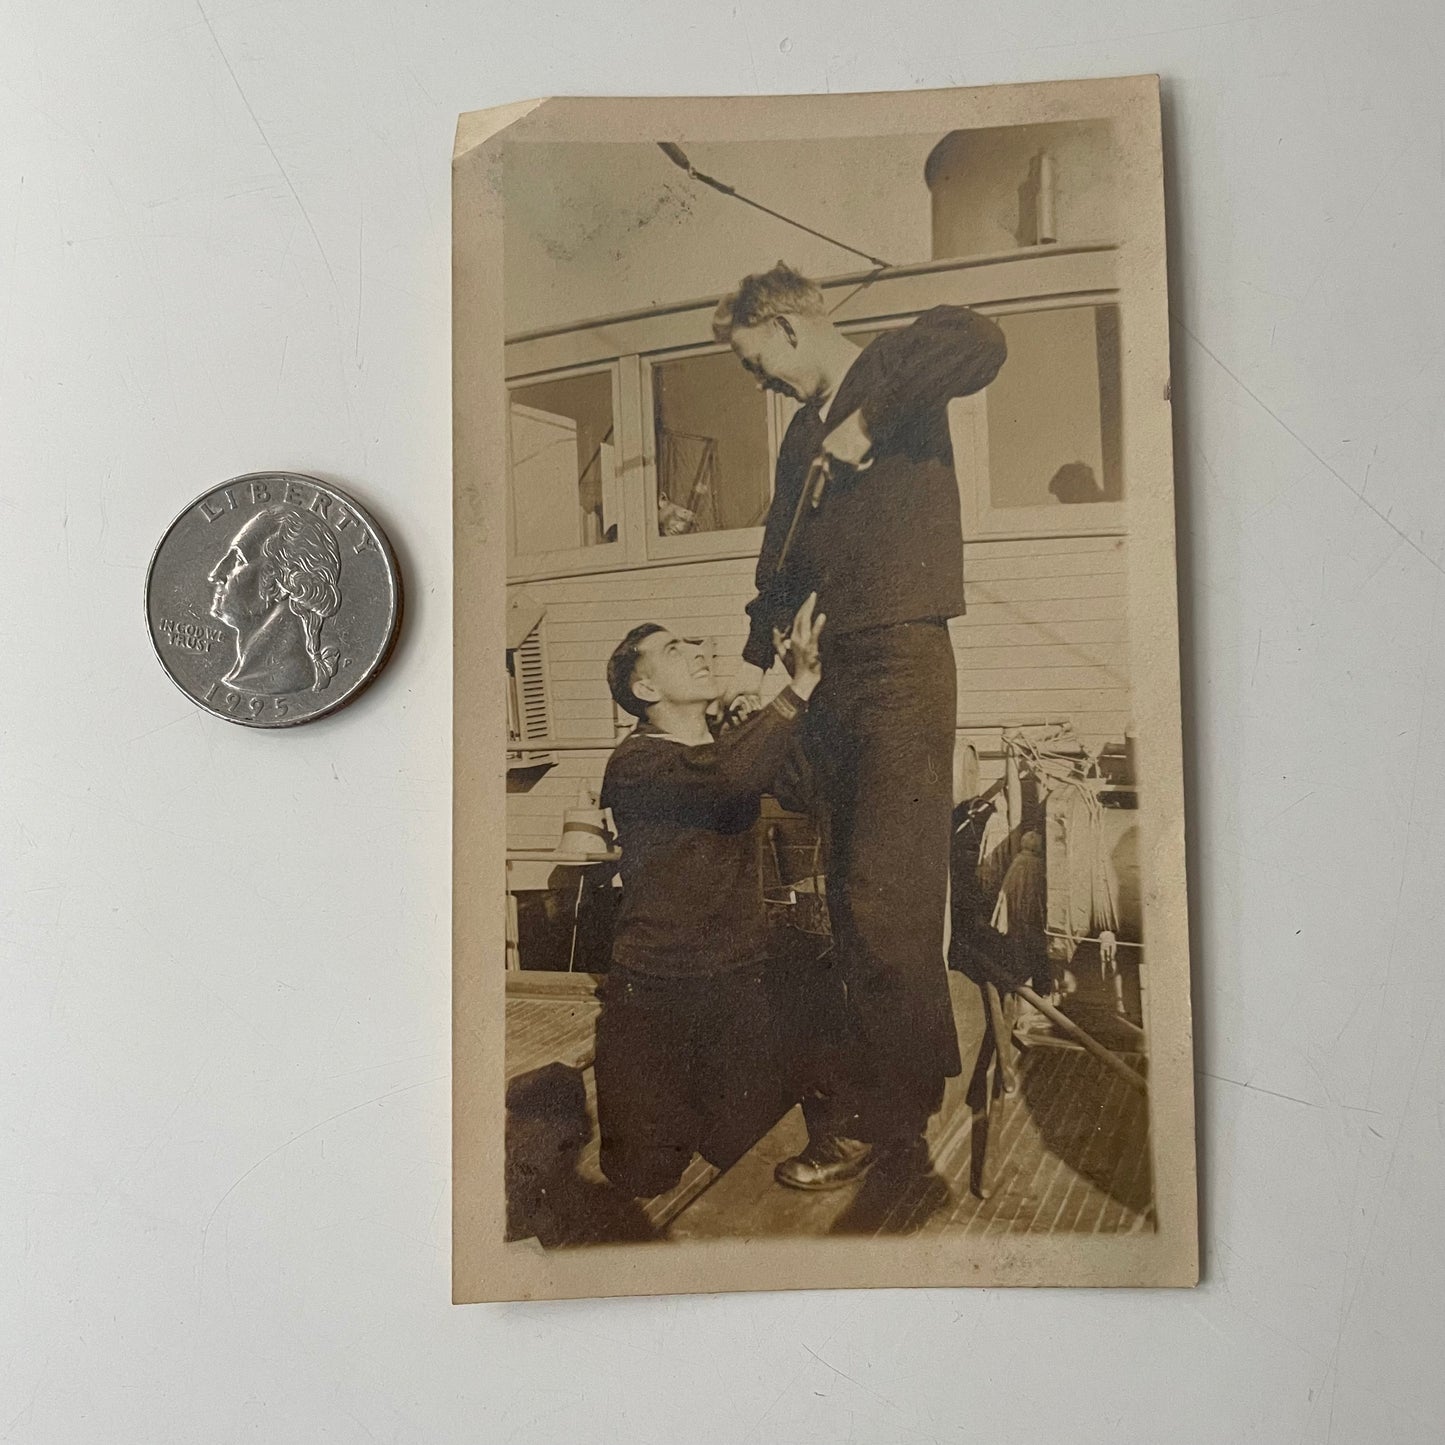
(563, 450)
(714, 465)
(1053, 410)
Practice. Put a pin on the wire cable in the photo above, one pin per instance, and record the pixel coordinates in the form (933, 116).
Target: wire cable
(678, 157)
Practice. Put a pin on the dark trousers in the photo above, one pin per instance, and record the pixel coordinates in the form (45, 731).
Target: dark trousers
(684, 1066)
(879, 737)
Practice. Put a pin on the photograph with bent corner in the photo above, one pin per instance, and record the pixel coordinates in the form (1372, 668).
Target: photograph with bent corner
(842, 917)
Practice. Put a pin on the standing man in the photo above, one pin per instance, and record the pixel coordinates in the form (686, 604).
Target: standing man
(865, 514)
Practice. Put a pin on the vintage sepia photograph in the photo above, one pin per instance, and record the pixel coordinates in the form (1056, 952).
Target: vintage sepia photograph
(820, 896)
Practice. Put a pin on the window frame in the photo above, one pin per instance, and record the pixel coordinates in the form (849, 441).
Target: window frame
(1044, 277)
(740, 541)
(603, 556)
(968, 426)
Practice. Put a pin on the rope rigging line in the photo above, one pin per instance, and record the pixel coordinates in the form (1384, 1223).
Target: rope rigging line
(678, 157)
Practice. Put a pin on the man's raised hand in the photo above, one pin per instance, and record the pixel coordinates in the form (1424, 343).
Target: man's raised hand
(799, 650)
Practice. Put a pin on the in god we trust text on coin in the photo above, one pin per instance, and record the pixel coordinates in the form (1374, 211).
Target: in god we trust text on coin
(273, 599)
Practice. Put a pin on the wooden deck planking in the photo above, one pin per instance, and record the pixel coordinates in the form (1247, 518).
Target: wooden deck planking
(1023, 1173)
(1070, 1150)
(1106, 1154)
(1065, 1123)
(546, 1031)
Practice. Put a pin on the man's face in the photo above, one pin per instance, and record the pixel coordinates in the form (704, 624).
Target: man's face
(674, 669)
(771, 354)
(242, 579)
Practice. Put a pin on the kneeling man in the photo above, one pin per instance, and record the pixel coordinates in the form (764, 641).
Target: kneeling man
(688, 1055)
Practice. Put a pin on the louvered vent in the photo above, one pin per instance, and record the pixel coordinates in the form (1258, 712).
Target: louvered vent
(531, 714)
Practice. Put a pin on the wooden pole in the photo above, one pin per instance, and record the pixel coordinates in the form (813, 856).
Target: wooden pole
(1003, 1042)
(1060, 1020)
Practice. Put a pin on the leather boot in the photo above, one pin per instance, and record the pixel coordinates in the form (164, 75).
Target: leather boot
(828, 1162)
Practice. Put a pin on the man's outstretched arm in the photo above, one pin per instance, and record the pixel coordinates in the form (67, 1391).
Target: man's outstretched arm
(704, 784)
(713, 785)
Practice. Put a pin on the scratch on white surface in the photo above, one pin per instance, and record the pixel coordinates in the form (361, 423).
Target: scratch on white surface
(1288, 808)
(190, 715)
(1354, 221)
(1382, 563)
(14, 253)
(1209, 1324)
(372, 1068)
(360, 243)
(281, 365)
(748, 40)
(281, 1148)
(1365, 480)
(1257, 1089)
(756, 1432)
(266, 141)
(1383, 1036)
(29, 1405)
(111, 1187)
(843, 1375)
(1285, 426)
(370, 1434)
(444, 1193)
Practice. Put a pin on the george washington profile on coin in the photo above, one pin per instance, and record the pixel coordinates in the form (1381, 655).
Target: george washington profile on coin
(273, 599)
(275, 587)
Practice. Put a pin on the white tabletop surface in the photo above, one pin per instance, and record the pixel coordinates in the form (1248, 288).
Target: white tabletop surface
(224, 998)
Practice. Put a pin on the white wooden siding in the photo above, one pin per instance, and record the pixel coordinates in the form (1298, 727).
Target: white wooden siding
(1044, 640)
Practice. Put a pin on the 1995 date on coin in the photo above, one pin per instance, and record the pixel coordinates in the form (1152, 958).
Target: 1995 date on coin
(273, 599)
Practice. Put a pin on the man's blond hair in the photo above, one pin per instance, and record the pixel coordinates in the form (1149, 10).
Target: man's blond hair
(764, 295)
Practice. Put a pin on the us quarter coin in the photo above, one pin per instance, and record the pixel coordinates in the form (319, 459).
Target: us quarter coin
(273, 599)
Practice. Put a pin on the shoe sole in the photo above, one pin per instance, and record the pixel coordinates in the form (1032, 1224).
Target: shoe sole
(823, 1186)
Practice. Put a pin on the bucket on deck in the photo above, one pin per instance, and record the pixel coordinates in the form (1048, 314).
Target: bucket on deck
(584, 829)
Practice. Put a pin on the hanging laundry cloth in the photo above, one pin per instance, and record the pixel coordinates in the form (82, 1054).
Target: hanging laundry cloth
(970, 945)
(1019, 915)
(995, 852)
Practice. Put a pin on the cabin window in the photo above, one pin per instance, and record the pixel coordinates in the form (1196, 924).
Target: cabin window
(713, 443)
(637, 440)
(1040, 450)
(565, 495)
(1053, 411)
